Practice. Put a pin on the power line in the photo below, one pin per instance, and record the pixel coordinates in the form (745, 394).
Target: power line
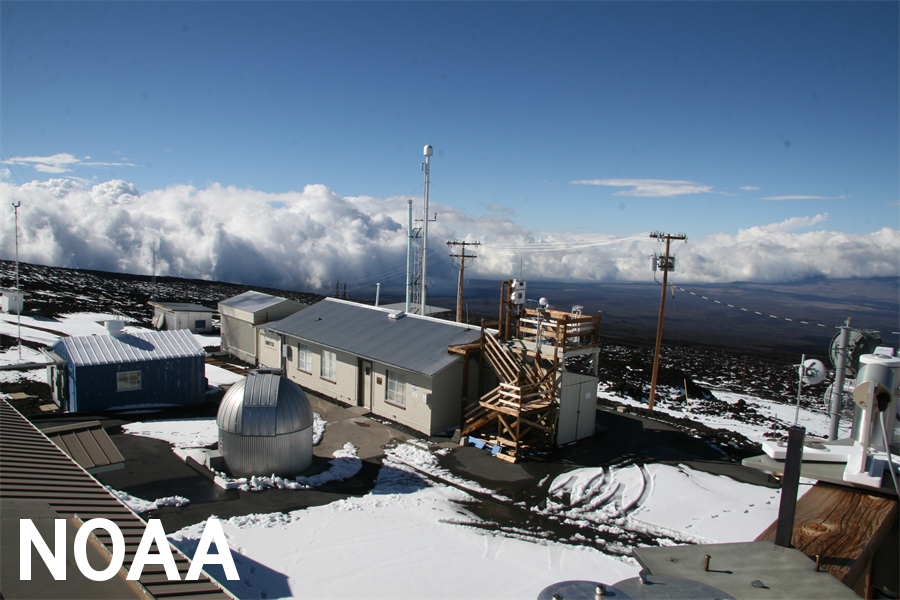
(762, 314)
(462, 269)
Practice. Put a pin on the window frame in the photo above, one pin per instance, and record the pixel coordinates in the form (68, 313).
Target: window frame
(127, 384)
(328, 366)
(304, 358)
(395, 389)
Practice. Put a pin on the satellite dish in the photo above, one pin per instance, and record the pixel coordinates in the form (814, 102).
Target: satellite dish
(860, 342)
(813, 372)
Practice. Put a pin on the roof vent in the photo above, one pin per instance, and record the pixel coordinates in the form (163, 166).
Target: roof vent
(114, 327)
(397, 314)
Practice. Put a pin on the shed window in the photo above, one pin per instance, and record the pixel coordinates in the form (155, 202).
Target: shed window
(200, 324)
(329, 365)
(304, 358)
(395, 393)
(128, 380)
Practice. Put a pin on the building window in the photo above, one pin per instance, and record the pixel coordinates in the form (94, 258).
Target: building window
(304, 358)
(128, 380)
(200, 324)
(329, 365)
(395, 393)
(270, 343)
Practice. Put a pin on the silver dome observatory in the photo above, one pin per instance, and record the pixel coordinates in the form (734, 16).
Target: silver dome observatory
(265, 427)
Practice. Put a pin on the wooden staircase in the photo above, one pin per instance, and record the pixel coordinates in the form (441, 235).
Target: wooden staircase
(521, 410)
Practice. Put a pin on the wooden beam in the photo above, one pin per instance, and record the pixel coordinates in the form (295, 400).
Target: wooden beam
(842, 525)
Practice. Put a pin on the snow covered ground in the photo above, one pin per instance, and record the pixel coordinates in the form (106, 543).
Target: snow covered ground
(46, 331)
(398, 541)
(412, 536)
(738, 416)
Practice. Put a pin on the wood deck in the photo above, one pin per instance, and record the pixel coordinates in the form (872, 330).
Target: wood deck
(844, 527)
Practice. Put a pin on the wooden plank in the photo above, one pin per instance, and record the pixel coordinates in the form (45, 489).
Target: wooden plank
(842, 525)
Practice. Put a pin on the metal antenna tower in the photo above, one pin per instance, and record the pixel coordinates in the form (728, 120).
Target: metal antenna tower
(16, 206)
(666, 267)
(462, 269)
(429, 151)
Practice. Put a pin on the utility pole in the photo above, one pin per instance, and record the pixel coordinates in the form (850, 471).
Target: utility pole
(666, 267)
(462, 268)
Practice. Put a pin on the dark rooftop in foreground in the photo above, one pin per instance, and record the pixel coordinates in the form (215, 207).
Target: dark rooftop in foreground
(39, 482)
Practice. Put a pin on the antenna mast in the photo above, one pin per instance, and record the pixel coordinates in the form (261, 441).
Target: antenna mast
(16, 206)
(428, 153)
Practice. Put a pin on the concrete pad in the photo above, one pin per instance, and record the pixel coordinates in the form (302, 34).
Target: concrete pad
(347, 424)
(733, 568)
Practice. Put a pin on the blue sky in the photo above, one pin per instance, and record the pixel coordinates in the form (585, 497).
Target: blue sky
(589, 117)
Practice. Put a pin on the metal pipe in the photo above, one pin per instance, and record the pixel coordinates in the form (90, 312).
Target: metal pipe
(837, 388)
(428, 153)
(409, 248)
(802, 372)
(790, 481)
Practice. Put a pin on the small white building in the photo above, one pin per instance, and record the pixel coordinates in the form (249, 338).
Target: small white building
(182, 315)
(397, 365)
(12, 301)
(242, 313)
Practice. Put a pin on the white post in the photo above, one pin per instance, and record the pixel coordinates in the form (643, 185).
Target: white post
(428, 153)
(19, 303)
(377, 293)
(837, 388)
(409, 242)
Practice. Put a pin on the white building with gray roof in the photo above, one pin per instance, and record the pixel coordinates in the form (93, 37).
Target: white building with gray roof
(397, 365)
(242, 313)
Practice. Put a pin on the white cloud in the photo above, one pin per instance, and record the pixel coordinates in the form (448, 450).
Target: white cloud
(656, 188)
(796, 223)
(59, 163)
(307, 240)
(803, 198)
(749, 188)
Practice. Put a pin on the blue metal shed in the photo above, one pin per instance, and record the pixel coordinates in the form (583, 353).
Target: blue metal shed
(127, 369)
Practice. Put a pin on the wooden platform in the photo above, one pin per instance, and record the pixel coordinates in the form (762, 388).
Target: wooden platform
(844, 527)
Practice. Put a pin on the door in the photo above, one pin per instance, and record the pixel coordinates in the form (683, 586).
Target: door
(364, 389)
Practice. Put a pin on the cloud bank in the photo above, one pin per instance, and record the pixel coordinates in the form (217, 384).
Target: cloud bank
(308, 240)
(60, 163)
(653, 188)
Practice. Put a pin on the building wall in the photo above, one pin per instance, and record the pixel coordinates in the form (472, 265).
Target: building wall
(269, 353)
(239, 338)
(178, 381)
(431, 405)
(445, 401)
(274, 312)
(12, 303)
(577, 406)
(184, 319)
(419, 402)
(344, 385)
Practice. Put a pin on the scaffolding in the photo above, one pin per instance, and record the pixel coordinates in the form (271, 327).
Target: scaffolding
(526, 349)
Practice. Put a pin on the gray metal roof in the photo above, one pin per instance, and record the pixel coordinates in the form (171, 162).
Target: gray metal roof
(264, 404)
(39, 482)
(252, 301)
(128, 347)
(182, 306)
(88, 444)
(412, 343)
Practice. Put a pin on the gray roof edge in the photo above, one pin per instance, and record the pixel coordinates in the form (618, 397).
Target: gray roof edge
(407, 315)
(367, 357)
